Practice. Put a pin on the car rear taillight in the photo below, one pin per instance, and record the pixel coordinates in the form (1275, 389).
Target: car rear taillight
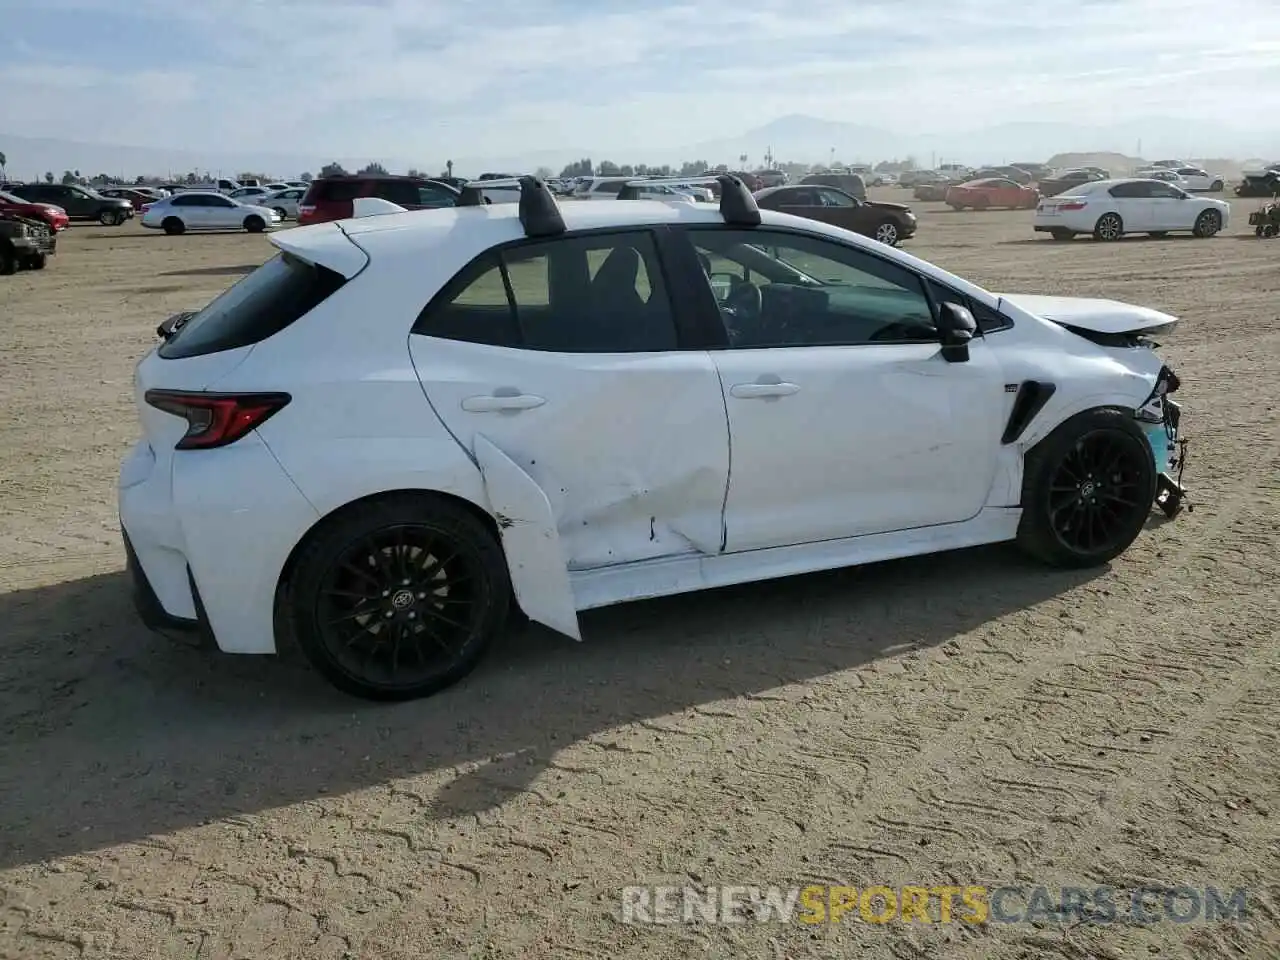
(216, 419)
(1073, 205)
(306, 209)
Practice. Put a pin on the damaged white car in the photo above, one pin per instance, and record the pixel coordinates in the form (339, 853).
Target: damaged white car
(406, 426)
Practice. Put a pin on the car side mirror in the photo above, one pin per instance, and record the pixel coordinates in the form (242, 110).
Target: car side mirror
(956, 328)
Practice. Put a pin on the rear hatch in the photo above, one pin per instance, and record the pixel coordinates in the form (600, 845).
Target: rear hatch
(200, 348)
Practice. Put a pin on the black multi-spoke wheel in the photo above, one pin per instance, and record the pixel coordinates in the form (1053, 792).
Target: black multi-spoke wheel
(1087, 489)
(398, 597)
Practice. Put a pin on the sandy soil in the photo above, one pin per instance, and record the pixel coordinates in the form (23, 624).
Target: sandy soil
(967, 719)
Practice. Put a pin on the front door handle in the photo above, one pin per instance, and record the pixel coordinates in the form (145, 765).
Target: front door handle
(498, 403)
(752, 391)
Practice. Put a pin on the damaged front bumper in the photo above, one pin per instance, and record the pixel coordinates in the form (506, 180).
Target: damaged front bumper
(1161, 420)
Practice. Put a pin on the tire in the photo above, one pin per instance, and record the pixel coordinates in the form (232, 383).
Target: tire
(1059, 479)
(957, 207)
(1207, 224)
(980, 203)
(1158, 234)
(254, 223)
(111, 218)
(280, 212)
(8, 261)
(36, 261)
(1216, 186)
(1270, 230)
(173, 226)
(1109, 227)
(886, 232)
(349, 564)
(1061, 235)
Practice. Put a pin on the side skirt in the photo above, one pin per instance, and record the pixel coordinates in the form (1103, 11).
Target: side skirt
(604, 586)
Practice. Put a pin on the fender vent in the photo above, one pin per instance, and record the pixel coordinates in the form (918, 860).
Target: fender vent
(1031, 398)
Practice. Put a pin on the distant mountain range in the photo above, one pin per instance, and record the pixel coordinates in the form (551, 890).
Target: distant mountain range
(795, 138)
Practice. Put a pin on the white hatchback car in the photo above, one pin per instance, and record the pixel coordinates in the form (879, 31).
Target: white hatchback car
(194, 210)
(1109, 209)
(404, 426)
(284, 202)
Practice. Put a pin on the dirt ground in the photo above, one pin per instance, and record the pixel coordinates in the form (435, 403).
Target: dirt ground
(962, 719)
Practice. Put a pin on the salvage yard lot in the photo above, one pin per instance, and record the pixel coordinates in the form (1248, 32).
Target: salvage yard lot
(962, 719)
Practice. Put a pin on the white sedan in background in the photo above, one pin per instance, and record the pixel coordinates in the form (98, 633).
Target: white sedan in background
(284, 202)
(206, 211)
(1198, 179)
(1108, 209)
(249, 194)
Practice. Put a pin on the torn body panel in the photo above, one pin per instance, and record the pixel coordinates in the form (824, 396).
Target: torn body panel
(535, 560)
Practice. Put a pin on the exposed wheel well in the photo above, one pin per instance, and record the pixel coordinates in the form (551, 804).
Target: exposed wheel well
(282, 621)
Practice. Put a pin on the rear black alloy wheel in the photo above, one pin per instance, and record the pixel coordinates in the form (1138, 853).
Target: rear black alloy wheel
(1087, 490)
(173, 226)
(399, 598)
(254, 223)
(1059, 234)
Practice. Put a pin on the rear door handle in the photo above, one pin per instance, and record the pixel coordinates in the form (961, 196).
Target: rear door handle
(752, 391)
(497, 403)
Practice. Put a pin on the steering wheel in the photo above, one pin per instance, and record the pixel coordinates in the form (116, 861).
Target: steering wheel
(904, 330)
(745, 301)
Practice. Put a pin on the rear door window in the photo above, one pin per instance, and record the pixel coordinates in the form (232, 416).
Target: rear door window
(281, 291)
(586, 294)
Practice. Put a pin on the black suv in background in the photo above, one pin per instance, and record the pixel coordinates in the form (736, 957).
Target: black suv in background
(81, 203)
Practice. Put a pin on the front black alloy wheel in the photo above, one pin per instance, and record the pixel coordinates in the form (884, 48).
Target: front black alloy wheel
(1087, 489)
(398, 597)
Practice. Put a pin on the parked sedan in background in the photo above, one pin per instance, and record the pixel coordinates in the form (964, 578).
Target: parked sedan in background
(249, 194)
(1200, 180)
(79, 202)
(887, 222)
(992, 192)
(51, 214)
(284, 202)
(935, 189)
(1052, 186)
(138, 198)
(1109, 209)
(206, 211)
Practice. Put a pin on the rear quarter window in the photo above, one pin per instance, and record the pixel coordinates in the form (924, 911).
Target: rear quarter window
(280, 292)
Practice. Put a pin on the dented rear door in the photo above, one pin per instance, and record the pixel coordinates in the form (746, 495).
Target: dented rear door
(631, 450)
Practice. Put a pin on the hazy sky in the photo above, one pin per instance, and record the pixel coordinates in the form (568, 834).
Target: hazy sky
(400, 77)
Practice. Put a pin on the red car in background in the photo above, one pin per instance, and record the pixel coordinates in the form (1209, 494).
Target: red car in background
(55, 217)
(994, 192)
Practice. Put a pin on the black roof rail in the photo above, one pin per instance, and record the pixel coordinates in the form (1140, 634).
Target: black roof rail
(539, 213)
(737, 205)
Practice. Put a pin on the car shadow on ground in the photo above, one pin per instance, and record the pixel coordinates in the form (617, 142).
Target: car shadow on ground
(113, 733)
